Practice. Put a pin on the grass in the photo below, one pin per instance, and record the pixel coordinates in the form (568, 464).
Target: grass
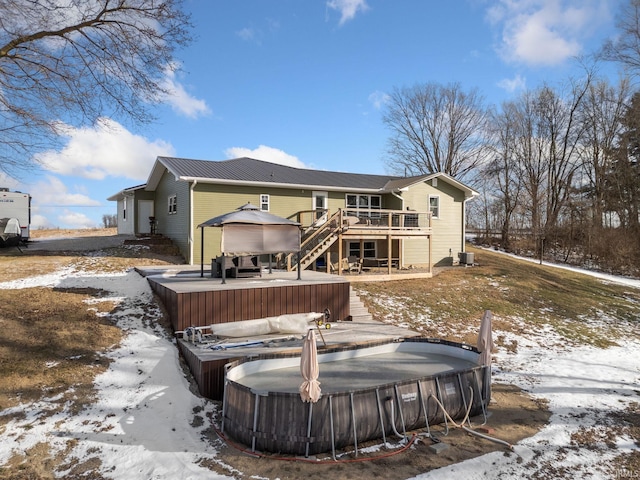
(524, 298)
(53, 341)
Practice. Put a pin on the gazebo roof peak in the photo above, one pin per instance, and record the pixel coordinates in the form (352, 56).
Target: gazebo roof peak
(248, 206)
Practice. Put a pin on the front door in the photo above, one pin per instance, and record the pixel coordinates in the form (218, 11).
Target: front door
(145, 210)
(320, 206)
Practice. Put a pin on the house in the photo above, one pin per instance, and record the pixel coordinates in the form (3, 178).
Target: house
(381, 220)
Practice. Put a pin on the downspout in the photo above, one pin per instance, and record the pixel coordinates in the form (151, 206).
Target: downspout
(401, 253)
(191, 220)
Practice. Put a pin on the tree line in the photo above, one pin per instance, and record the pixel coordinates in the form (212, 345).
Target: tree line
(557, 167)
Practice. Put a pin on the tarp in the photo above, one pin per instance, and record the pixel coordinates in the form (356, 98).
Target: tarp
(10, 232)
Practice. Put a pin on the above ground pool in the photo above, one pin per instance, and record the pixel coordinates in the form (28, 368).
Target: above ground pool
(368, 393)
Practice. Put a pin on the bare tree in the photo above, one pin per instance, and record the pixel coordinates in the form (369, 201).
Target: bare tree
(74, 61)
(625, 48)
(502, 171)
(564, 132)
(602, 112)
(436, 128)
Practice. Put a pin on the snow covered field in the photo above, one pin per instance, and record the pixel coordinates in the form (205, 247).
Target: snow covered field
(146, 424)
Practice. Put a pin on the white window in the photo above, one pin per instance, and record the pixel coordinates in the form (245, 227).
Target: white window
(368, 249)
(364, 202)
(264, 202)
(434, 206)
(173, 204)
(124, 208)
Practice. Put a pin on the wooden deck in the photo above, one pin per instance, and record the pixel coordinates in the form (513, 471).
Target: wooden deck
(195, 301)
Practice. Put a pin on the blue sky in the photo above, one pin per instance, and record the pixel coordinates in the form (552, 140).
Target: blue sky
(304, 83)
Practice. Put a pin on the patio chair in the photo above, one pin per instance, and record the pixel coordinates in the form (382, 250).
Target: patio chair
(354, 265)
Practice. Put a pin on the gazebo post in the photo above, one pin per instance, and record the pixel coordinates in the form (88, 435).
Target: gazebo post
(270, 258)
(202, 253)
(224, 268)
(299, 265)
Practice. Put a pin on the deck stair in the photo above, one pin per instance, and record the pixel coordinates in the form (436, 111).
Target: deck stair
(359, 313)
(316, 242)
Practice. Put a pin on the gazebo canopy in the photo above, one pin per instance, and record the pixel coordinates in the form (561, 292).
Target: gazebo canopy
(250, 231)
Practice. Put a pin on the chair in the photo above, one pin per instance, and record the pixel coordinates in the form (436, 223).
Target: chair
(354, 264)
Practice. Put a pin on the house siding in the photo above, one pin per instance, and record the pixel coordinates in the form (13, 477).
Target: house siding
(212, 200)
(126, 226)
(174, 226)
(447, 228)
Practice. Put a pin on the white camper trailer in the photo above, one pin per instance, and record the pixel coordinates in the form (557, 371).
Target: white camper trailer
(16, 205)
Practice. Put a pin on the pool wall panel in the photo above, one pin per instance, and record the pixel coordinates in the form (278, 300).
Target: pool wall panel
(283, 418)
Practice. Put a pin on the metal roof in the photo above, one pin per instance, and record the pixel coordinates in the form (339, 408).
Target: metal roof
(248, 170)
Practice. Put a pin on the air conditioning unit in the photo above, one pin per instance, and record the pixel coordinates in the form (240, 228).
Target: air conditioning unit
(466, 258)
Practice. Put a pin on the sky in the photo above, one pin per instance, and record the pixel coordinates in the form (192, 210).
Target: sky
(305, 84)
(143, 425)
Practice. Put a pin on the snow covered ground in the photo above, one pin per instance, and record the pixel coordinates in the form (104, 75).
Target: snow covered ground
(146, 424)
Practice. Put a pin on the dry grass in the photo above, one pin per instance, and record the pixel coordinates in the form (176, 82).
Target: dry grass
(52, 341)
(524, 298)
(65, 233)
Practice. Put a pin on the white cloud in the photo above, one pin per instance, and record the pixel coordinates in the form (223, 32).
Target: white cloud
(546, 32)
(105, 150)
(8, 182)
(54, 193)
(348, 8)
(180, 100)
(52, 204)
(268, 154)
(378, 99)
(246, 33)
(512, 84)
(70, 219)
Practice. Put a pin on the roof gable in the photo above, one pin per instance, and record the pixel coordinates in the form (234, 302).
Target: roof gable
(407, 182)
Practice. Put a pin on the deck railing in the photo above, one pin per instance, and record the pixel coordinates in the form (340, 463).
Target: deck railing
(318, 237)
(396, 221)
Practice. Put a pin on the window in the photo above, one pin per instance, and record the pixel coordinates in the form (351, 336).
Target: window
(173, 204)
(434, 206)
(364, 202)
(124, 208)
(368, 250)
(264, 202)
